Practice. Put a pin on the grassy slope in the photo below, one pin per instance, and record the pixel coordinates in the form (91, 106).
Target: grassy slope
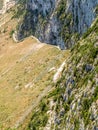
(23, 73)
(80, 87)
(24, 76)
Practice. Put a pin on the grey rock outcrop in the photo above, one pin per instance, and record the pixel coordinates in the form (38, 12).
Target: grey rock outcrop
(83, 13)
(56, 21)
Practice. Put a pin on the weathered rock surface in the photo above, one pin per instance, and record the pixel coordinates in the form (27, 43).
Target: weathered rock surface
(55, 21)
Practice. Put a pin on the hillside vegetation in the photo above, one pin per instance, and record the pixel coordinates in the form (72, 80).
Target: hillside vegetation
(30, 98)
(73, 104)
(26, 71)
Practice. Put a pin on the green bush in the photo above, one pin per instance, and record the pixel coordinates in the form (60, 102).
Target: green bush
(85, 110)
(43, 106)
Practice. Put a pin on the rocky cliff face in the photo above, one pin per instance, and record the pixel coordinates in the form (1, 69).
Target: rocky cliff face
(57, 22)
(84, 12)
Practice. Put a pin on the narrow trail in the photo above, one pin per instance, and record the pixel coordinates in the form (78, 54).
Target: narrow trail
(34, 104)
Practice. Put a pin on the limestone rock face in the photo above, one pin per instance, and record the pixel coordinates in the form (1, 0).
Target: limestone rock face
(55, 21)
(83, 13)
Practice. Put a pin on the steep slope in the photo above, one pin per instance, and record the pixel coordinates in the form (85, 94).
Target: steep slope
(57, 22)
(31, 95)
(73, 104)
(25, 73)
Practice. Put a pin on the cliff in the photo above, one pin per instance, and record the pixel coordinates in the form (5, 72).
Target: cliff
(57, 22)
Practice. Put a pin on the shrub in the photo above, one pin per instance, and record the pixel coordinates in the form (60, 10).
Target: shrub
(43, 106)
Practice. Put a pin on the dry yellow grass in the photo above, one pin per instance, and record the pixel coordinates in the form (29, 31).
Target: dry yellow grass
(24, 73)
